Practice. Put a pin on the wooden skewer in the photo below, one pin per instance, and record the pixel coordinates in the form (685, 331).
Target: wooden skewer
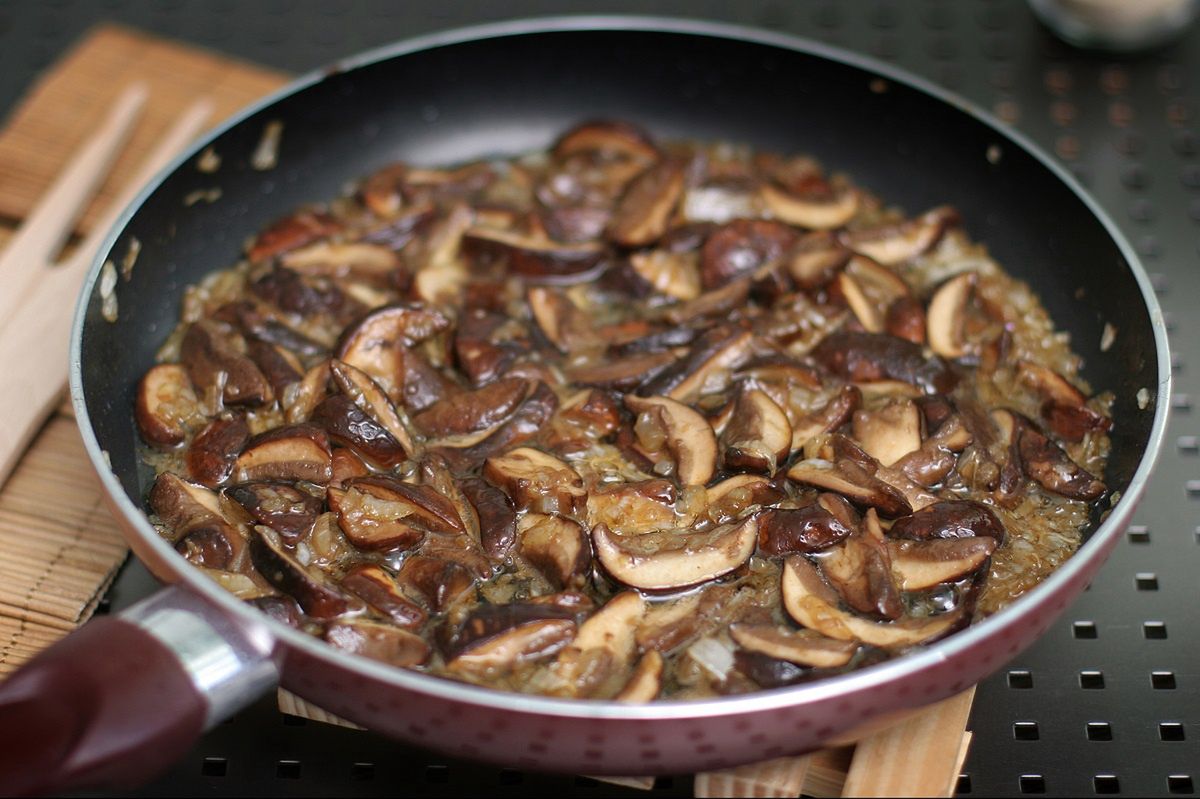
(34, 340)
(39, 238)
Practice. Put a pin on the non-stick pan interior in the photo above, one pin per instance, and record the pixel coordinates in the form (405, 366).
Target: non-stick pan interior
(513, 93)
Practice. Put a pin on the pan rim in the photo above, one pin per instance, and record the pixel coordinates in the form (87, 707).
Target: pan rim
(768, 699)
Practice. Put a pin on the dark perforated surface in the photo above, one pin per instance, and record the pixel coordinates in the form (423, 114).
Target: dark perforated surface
(1109, 701)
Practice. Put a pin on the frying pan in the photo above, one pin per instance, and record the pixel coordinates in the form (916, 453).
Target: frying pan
(124, 696)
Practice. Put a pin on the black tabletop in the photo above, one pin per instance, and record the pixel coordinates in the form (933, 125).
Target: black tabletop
(1109, 701)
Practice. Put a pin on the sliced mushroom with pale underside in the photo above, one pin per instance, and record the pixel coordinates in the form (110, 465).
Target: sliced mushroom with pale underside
(473, 412)
(341, 259)
(675, 558)
(853, 482)
(1064, 406)
(645, 684)
(348, 425)
(557, 547)
(598, 662)
(166, 405)
(947, 315)
(642, 214)
(918, 565)
(816, 212)
(187, 508)
(712, 358)
(309, 587)
(813, 604)
(803, 649)
(815, 259)
(632, 508)
(370, 398)
(606, 136)
(495, 639)
(561, 321)
(437, 582)
(213, 354)
(1051, 467)
(872, 357)
(374, 344)
(896, 243)
(291, 452)
(673, 274)
(758, 437)
(859, 568)
(538, 259)
(670, 427)
(378, 641)
(829, 417)
(536, 481)
(377, 587)
(888, 432)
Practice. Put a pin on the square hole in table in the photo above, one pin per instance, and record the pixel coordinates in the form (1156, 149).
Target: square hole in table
(1099, 731)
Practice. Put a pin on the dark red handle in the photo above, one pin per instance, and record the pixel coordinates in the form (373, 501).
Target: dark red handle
(109, 704)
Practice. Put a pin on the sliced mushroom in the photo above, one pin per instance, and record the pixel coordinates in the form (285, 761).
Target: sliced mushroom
(1051, 467)
(633, 508)
(317, 597)
(562, 322)
(672, 427)
(557, 547)
(1065, 407)
(894, 244)
(785, 531)
(714, 304)
(301, 399)
(733, 496)
(186, 507)
(829, 417)
(350, 426)
(645, 684)
(342, 259)
(536, 481)
(869, 315)
(673, 274)
(598, 661)
(740, 247)
(374, 519)
(950, 519)
(815, 259)
(853, 482)
(292, 452)
(374, 345)
(758, 436)
(813, 212)
(213, 355)
(370, 398)
(435, 581)
(473, 411)
(165, 405)
(214, 451)
(278, 365)
(918, 565)
(537, 259)
(377, 587)
(484, 346)
(284, 508)
(497, 519)
(794, 647)
(947, 315)
(860, 571)
(291, 232)
(642, 214)
(378, 641)
(675, 558)
(869, 357)
(905, 318)
(292, 293)
(890, 432)
(706, 369)
(495, 639)
(624, 374)
(526, 422)
(605, 136)
(810, 601)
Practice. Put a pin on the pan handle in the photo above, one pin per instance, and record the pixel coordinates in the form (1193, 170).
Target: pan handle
(118, 701)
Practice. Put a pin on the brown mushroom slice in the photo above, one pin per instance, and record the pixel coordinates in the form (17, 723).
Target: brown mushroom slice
(673, 274)
(812, 603)
(894, 244)
(950, 519)
(605, 136)
(812, 212)
(535, 258)
(557, 547)
(290, 232)
(529, 419)
(713, 304)
(1065, 407)
(860, 571)
(212, 353)
(730, 498)
(786, 531)
(537, 481)
(853, 482)
(284, 508)
(706, 369)
(633, 508)
(342, 259)
(350, 426)
(1048, 465)
(815, 259)
(918, 565)
(686, 436)
(278, 365)
(377, 587)
(794, 647)
(642, 214)
(905, 318)
(185, 507)
(562, 322)
(603, 648)
(317, 597)
(623, 374)
(871, 357)
(214, 451)
(645, 684)
(675, 558)
(374, 522)
(740, 247)
(370, 398)
(378, 641)
(758, 436)
(437, 582)
(829, 417)
(494, 639)
(165, 405)
(292, 452)
(947, 315)
(375, 344)
(890, 432)
(428, 507)
(497, 519)
(868, 313)
(300, 399)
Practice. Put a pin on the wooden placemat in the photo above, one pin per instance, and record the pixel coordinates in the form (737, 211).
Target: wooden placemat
(59, 547)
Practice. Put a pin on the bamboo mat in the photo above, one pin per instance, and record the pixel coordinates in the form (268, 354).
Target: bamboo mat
(59, 548)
